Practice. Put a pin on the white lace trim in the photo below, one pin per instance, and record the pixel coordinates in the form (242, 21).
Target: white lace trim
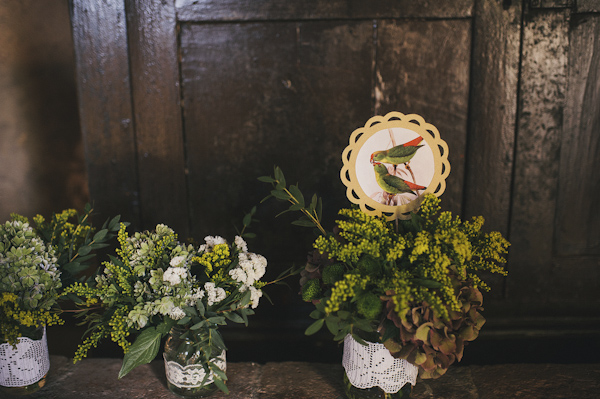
(26, 364)
(373, 365)
(191, 376)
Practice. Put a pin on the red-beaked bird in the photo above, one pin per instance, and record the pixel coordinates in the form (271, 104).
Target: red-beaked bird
(402, 153)
(393, 184)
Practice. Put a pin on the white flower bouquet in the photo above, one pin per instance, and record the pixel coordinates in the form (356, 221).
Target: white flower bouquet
(155, 283)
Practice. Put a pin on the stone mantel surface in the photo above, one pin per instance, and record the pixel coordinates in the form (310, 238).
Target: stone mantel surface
(97, 378)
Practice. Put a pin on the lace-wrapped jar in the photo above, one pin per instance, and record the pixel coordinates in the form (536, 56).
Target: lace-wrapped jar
(186, 364)
(23, 369)
(372, 372)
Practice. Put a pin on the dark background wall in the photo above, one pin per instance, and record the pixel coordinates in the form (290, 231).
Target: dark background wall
(182, 104)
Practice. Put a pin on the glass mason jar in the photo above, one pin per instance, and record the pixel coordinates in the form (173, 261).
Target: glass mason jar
(23, 369)
(370, 371)
(186, 366)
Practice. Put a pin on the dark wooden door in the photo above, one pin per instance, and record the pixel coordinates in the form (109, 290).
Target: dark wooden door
(184, 103)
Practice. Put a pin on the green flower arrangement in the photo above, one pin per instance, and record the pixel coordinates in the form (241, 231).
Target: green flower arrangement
(414, 285)
(37, 261)
(29, 282)
(76, 241)
(156, 283)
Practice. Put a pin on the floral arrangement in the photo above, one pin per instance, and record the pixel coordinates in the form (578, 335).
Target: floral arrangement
(75, 240)
(412, 285)
(156, 283)
(37, 261)
(29, 282)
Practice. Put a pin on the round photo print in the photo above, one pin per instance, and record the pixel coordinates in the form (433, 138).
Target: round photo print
(392, 162)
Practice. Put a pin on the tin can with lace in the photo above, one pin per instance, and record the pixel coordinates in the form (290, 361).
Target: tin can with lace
(370, 371)
(24, 366)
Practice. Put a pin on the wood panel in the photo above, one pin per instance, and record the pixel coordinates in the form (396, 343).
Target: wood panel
(422, 67)
(158, 124)
(588, 5)
(578, 207)
(533, 278)
(259, 94)
(492, 118)
(102, 67)
(252, 10)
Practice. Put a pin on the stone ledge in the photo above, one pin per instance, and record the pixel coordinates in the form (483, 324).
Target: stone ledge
(97, 378)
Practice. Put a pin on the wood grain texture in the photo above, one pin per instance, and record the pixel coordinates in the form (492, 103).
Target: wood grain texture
(492, 117)
(102, 68)
(158, 124)
(422, 67)
(253, 10)
(543, 89)
(258, 95)
(578, 207)
(588, 6)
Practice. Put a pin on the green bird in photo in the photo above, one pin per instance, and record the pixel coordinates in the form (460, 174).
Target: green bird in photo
(393, 184)
(399, 154)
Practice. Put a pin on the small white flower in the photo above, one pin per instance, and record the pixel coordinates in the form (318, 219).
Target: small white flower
(214, 294)
(241, 244)
(174, 275)
(176, 313)
(176, 261)
(255, 295)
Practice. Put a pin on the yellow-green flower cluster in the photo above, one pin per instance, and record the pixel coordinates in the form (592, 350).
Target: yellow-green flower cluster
(363, 234)
(345, 289)
(14, 318)
(420, 261)
(215, 260)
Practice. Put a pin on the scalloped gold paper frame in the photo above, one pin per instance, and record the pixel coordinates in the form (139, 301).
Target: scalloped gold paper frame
(359, 137)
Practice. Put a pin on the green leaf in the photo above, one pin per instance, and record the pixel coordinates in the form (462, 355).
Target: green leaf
(99, 236)
(248, 235)
(247, 219)
(84, 250)
(236, 318)
(279, 176)
(266, 179)
(359, 339)
(74, 268)
(198, 326)
(217, 340)
(315, 314)
(340, 335)
(142, 351)
(221, 385)
(363, 325)
(313, 202)
(319, 209)
(200, 307)
(114, 225)
(216, 370)
(303, 223)
(296, 207)
(343, 314)
(281, 195)
(332, 323)
(220, 320)
(314, 327)
(297, 195)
